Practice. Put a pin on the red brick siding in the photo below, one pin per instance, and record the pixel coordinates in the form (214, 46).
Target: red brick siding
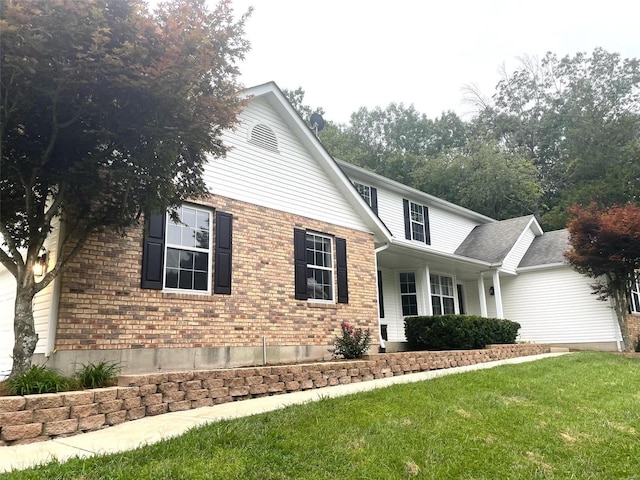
(103, 307)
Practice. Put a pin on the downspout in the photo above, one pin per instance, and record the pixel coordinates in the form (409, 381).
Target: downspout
(380, 339)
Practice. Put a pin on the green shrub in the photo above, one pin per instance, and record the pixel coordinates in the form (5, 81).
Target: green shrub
(458, 332)
(98, 375)
(39, 379)
(352, 343)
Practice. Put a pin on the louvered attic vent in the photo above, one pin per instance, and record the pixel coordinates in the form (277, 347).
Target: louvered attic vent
(262, 136)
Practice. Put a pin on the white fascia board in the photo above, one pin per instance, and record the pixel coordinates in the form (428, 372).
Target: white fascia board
(405, 190)
(272, 93)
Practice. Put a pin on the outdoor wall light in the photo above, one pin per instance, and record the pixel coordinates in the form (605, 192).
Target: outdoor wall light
(40, 267)
(492, 292)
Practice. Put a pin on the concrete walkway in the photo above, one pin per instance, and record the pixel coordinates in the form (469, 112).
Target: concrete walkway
(134, 434)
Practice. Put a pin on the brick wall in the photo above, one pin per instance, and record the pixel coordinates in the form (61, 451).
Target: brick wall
(33, 418)
(633, 324)
(103, 307)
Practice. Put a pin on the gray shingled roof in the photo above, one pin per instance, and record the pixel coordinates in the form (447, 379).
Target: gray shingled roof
(491, 242)
(546, 249)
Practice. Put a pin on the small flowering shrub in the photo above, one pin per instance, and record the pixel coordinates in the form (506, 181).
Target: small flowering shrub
(353, 343)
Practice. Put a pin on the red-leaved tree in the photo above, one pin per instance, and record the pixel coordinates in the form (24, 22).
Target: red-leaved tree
(605, 245)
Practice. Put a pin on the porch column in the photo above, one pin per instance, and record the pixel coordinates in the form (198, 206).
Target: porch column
(426, 292)
(482, 295)
(497, 294)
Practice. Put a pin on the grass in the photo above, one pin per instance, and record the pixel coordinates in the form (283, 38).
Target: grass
(574, 416)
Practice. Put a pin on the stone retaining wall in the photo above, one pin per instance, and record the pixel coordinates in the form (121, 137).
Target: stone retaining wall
(33, 418)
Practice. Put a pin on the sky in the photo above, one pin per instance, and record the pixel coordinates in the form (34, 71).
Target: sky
(348, 54)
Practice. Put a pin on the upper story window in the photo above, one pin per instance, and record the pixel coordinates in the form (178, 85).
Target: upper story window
(408, 294)
(369, 194)
(416, 222)
(188, 250)
(263, 136)
(364, 191)
(442, 295)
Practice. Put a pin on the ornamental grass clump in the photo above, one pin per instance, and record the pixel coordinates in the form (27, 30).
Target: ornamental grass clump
(96, 375)
(39, 379)
(352, 343)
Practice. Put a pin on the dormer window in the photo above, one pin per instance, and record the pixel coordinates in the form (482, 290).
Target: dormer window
(263, 136)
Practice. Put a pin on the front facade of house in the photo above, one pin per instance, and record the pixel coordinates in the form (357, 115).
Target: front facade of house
(289, 244)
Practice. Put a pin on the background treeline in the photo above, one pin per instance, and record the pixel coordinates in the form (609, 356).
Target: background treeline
(555, 132)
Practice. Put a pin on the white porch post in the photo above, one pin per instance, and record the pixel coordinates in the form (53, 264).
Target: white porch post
(426, 292)
(482, 295)
(497, 294)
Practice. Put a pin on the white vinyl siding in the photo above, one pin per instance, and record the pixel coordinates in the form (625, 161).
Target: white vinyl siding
(289, 180)
(392, 308)
(7, 300)
(43, 313)
(447, 230)
(513, 258)
(555, 305)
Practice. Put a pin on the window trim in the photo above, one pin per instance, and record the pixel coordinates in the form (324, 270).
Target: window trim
(409, 231)
(440, 295)
(332, 269)
(370, 198)
(208, 251)
(413, 294)
(634, 297)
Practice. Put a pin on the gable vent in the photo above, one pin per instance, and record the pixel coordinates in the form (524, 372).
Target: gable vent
(262, 136)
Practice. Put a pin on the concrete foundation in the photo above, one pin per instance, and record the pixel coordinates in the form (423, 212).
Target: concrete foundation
(147, 360)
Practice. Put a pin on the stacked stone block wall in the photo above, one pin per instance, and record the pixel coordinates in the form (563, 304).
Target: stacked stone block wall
(33, 418)
(103, 307)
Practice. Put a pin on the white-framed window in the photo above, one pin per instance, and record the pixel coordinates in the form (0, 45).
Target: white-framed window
(634, 303)
(319, 267)
(408, 294)
(417, 221)
(442, 295)
(364, 191)
(187, 265)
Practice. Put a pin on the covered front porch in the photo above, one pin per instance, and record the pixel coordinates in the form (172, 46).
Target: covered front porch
(416, 281)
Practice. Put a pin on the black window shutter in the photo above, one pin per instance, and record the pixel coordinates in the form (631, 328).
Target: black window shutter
(380, 298)
(374, 199)
(300, 258)
(427, 229)
(341, 261)
(153, 252)
(407, 219)
(224, 243)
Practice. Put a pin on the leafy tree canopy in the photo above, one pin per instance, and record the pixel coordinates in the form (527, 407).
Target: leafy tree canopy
(605, 245)
(108, 111)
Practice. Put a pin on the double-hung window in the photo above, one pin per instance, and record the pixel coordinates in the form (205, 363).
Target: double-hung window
(369, 195)
(319, 267)
(188, 250)
(364, 191)
(416, 222)
(442, 295)
(634, 303)
(408, 294)
(177, 256)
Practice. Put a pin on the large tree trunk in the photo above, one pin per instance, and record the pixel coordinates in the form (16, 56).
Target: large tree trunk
(620, 307)
(26, 337)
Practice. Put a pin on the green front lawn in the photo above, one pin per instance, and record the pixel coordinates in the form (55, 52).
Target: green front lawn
(575, 416)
